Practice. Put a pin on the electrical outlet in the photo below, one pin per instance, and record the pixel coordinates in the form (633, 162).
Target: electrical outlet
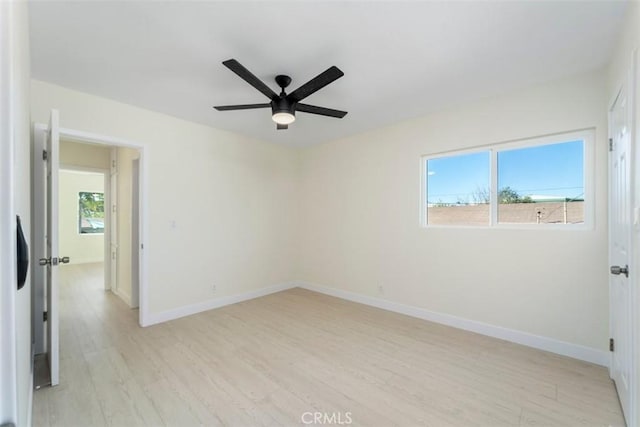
(381, 290)
(214, 289)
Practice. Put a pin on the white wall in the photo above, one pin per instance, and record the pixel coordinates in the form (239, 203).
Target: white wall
(22, 198)
(628, 41)
(15, 306)
(80, 248)
(219, 205)
(360, 221)
(84, 155)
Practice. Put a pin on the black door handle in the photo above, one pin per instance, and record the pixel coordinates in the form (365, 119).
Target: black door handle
(22, 255)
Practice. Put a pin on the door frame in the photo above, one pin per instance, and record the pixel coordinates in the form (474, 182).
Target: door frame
(635, 218)
(630, 79)
(112, 248)
(104, 140)
(135, 232)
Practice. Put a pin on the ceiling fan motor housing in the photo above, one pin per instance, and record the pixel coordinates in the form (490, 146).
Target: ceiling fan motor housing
(283, 105)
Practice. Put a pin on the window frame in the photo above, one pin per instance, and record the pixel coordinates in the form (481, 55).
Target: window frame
(587, 136)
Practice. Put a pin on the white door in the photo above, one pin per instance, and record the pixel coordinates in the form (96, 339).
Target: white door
(52, 259)
(619, 248)
(38, 248)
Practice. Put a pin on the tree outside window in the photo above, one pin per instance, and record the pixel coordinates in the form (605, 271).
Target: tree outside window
(91, 209)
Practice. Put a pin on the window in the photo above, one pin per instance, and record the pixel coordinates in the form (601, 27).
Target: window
(457, 189)
(91, 213)
(542, 185)
(538, 181)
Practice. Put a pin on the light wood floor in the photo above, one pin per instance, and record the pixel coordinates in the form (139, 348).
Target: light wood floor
(270, 360)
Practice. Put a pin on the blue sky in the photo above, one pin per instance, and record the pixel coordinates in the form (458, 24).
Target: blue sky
(547, 170)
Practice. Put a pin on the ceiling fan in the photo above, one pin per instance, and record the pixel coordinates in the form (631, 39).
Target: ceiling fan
(284, 106)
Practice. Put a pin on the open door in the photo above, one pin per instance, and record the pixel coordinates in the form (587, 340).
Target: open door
(621, 296)
(47, 190)
(51, 260)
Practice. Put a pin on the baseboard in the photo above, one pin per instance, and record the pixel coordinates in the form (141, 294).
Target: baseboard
(188, 310)
(552, 345)
(124, 297)
(576, 351)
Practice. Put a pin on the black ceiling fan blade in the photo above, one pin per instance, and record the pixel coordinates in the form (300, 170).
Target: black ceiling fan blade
(312, 109)
(241, 107)
(321, 80)
(281, 127)
(247, 76)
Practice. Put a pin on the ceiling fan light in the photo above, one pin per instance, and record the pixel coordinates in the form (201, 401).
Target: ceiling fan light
(283, 118)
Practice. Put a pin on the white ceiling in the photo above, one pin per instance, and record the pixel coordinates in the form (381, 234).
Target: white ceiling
(400, 59)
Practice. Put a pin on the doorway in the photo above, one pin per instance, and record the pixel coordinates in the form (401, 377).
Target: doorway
(108, 212)
(98, 207)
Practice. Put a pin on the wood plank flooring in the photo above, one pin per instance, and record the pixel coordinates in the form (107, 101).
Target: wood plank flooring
(276, 360)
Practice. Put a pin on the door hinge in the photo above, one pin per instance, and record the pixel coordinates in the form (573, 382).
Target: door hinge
(612, 345)
(610, 144)
(45, 156)
(44, 316)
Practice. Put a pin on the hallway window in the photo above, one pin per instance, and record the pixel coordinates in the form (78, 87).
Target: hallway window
(91, 213)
